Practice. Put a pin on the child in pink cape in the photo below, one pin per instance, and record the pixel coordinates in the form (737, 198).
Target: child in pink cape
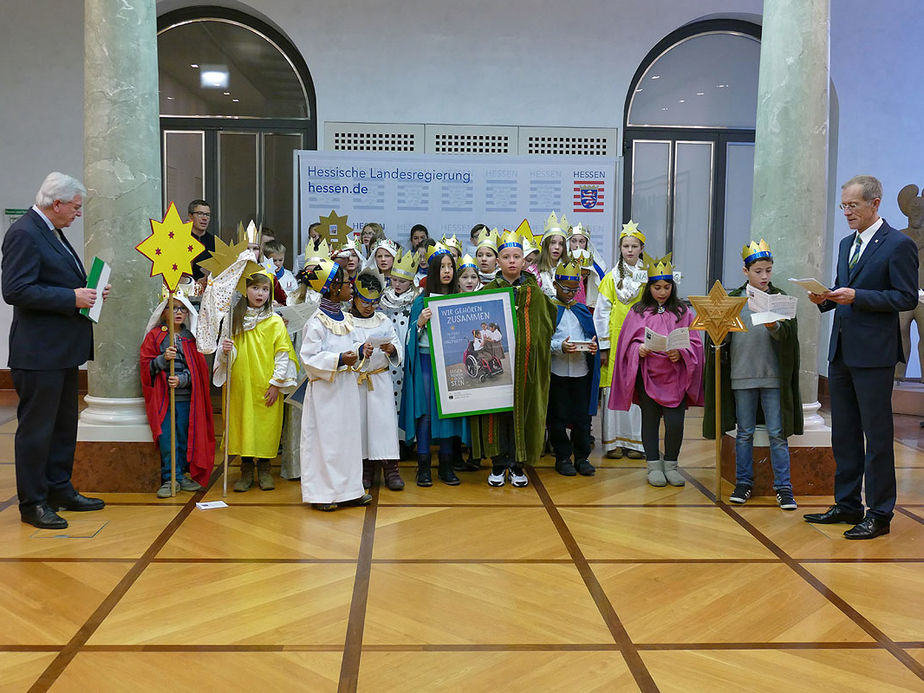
(662, 383)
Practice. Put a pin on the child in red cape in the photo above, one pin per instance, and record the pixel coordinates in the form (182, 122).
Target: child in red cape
(195, 433)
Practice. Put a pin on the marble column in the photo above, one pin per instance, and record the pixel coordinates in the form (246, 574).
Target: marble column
(790, 204)
(122, 176)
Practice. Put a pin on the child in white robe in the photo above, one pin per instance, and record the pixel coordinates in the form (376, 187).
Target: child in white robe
(331, 455)
(380, 351)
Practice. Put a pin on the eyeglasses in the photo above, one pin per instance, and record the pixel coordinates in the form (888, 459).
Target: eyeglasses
(202, 214)
(566, 290)
(850, 206)
(180, 309)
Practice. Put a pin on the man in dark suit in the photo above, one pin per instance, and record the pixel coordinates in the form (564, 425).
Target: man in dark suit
(44, 280)
(877, 273)
(200, 214)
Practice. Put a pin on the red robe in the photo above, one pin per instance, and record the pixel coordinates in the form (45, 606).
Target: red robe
(200, 445)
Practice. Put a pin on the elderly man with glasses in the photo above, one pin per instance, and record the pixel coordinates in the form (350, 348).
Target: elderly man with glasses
(43, 278)
(877, 273)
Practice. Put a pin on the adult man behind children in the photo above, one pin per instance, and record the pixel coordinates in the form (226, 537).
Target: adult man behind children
(200, 214)
(44, 280)
(877, 276)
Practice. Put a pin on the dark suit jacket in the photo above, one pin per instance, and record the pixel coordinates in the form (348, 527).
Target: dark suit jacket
(886, 281)
(38, 279)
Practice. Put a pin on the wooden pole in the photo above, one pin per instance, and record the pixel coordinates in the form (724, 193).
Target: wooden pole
(718, 422)
(224, 411)
(171, 333)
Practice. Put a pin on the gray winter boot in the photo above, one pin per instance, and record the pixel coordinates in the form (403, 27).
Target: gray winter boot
(246, 480)
(656, 473)
(674, 478)
(265, 476)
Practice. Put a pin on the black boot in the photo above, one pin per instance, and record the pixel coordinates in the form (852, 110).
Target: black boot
(423, 471)
(368, 469)
(447, 476)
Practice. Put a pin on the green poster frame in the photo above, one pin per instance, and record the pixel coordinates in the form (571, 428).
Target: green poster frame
(437, 361)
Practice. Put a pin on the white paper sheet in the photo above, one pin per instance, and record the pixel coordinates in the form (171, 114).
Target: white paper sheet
(810, 284)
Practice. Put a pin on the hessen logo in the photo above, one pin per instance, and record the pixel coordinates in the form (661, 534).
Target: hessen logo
(588, 196)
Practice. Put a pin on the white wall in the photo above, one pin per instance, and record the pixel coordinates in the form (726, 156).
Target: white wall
(524, 62)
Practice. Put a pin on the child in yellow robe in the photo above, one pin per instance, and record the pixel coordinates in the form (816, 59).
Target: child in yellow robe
(263, 365)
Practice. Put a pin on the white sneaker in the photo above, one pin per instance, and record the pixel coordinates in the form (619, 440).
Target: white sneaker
(496, 479)
(518, 477)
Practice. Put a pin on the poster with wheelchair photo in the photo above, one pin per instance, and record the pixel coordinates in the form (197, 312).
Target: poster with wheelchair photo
(472, 347)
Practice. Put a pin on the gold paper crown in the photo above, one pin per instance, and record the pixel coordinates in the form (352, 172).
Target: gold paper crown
(405, 266)
(568, 270)
(510, 239)
(659, 269)
(488, 239)
(583, 257)
(322, 253)
(555, 226)
(436, 249)
(346, 248)
(321, 274)
(529, 245)
(242, 284)
(631, 229)
(465, 261)
(452, 242)
(756, 251)
(579, 230)
(368, 294)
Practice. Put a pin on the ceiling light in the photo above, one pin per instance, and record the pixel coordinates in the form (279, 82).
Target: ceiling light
(169, 98)
(700, 93)
(194, 64)
(213, 77)
(656, 76)
(235, 100)
(682, 101)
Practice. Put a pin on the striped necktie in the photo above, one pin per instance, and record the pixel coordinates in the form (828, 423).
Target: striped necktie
(855, 255)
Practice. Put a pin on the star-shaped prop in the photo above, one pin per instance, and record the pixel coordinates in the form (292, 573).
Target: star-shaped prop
(171, 248)
(718, 313)
(630, 228)
(223, 256)
(335, 229)
(526, 231)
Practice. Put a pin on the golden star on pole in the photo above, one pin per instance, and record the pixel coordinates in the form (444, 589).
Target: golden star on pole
(718, 313)
(171, 248)
(335, 229)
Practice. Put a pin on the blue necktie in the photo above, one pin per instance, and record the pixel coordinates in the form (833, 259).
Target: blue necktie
(855, 255)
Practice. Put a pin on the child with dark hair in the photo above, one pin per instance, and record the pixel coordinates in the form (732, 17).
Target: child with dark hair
(419, 415)
(418, 235)
(263, 364)
(380, 351)
(760, 371)
(332, 453)
(423, 254)
(661, 383)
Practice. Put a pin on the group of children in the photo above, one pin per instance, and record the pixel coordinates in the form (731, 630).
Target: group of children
(366, 350)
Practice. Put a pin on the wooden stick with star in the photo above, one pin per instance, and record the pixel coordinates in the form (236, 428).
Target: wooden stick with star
(171, 249)
(718, 314)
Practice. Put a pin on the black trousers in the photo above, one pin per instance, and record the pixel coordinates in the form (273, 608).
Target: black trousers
(861, 405)
(46, 433)
(569, 399)
(651, 424)
(506, 441)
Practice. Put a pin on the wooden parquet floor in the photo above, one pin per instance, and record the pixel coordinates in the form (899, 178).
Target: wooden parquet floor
(571, 584)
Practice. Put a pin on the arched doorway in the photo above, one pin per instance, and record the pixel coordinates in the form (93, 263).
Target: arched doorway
(689, 147)
(236, 99)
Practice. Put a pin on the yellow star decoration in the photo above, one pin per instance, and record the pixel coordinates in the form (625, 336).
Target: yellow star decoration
(223, 255)
(526, 231)
(630, 228)
(171, 248)
(335, 229)
(718, 313)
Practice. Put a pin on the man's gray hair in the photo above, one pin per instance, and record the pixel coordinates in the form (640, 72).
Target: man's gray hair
(872, 188)
(58, 186)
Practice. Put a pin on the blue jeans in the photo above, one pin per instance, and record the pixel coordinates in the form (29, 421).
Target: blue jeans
(182, 428)
(423, 423)
(746, 411)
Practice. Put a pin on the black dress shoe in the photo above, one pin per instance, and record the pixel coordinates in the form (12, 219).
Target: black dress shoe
(43, 517)
(75, 503)
(834, 515)
(868, 529)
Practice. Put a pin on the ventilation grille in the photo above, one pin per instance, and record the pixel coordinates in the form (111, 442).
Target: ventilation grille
(373, 137)
(568, 141)
(469, 139)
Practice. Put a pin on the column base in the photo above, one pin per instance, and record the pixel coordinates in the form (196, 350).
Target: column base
(115, 450)
(116, 467)
(811, 469)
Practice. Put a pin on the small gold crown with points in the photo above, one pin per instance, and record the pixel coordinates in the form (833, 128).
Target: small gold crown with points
(555, 226)
(452, 242)
(568, 270)
(659, 269)
(756, 251)
(488, 239)
(466, 261)
(436, 249)
(405, 266)
(510, 239)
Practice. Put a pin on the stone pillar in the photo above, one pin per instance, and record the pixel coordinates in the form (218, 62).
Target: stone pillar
(122, 176)
(790, 207)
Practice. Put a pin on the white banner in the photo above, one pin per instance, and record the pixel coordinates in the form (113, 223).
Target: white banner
(450, 194)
